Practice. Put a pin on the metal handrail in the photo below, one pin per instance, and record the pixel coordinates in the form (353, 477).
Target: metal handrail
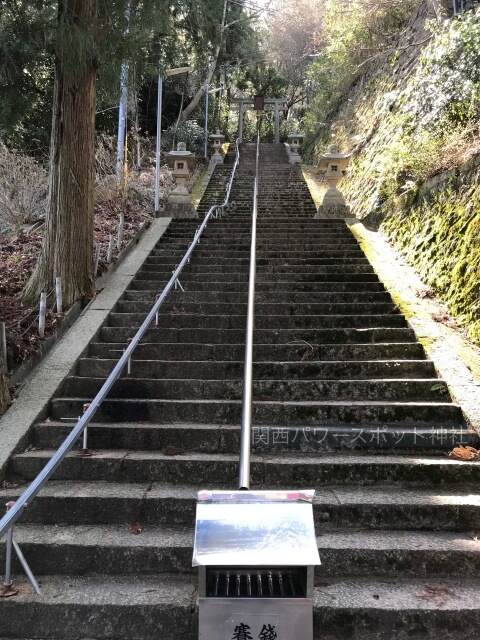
(247, 404)
(33, 489)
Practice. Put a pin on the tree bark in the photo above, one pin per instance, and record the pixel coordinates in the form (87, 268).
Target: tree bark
(67, 249)
(4, 390)
(437, 9)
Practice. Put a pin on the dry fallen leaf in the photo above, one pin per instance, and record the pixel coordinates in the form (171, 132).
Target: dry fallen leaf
(436, 593)
(465, 453)
(172, 450)
(135, 528)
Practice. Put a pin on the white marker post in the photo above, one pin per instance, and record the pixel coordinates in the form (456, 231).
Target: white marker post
(42, 314)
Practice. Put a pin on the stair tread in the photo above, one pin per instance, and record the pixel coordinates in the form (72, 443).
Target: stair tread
(165, 590)
(398, 495)
(286, 458)
(399, 595)
(306, 363)
(110, 535)
(162, 590)
(287, 403)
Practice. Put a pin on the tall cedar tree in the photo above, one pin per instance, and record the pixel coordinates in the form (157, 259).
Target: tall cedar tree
(68, 242)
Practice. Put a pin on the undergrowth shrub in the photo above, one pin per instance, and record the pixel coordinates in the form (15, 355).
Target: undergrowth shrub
(23, 189)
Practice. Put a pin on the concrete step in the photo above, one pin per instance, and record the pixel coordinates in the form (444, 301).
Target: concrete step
(227, 411)
(141, 281)
(278, 439)
(343, 271)
(223, 287)
(268, 231)
(226, 252)
(285, 390)
(330, 321)
(217, 350)
(158, 278)
(267, 370)
(163, 606)
(276, 297)
(159, 606)
(140, 308)
(127, 498)
(114, 550)
(344, 608)
(301, 337)
(118, 550)
(227, 257)
(328, 239)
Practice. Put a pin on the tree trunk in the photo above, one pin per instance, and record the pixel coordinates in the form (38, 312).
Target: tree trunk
(437, 9)
(67, 248)
(4, 391)
(201, 91)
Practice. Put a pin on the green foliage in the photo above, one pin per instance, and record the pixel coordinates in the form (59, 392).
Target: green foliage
(408, 129)
(421, 126)
(413, 155)
(189, 132)
(151, 36)
(26, 81)
(263, 80)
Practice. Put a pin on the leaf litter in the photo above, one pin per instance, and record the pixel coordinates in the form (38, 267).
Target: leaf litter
(18, 257)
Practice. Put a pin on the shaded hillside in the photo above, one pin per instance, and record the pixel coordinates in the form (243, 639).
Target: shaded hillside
(411, 122)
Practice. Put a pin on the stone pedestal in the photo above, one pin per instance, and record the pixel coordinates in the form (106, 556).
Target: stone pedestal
(178, 204)
(179, 210)
(217, 158)
(334, 164)
(217, 141)
(294, 142)
(333, 205)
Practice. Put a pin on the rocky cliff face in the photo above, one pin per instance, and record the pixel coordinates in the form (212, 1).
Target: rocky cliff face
(367, 120)
(412, 123)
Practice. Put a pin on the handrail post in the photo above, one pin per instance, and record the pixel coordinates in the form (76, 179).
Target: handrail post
(9, 589)
(247, 404)
(8, 557)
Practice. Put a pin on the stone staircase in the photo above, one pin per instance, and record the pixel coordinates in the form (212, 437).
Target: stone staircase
(344, 402)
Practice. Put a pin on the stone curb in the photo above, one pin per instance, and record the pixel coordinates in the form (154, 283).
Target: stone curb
(33, 401)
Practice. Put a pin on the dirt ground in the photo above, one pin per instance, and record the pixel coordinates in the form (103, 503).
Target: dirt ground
(18, 256)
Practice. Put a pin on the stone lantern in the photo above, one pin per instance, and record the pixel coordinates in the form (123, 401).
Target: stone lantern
(333, 165)
(182, 162)
(217, 141)
(294, 142)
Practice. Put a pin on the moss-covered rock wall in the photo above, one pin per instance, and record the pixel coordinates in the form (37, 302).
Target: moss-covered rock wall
(439, 234)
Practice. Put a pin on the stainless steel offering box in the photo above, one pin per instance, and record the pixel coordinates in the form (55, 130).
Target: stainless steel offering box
(255, 552)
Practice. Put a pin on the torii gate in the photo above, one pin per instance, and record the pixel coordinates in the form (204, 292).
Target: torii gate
(274, 104)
